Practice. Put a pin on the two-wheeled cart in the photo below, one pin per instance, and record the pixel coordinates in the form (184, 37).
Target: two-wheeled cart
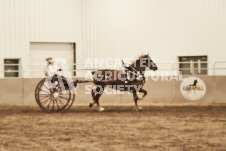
(57, 95)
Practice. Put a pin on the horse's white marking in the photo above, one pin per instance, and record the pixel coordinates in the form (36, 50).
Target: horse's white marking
(100, 109)
(139, 109)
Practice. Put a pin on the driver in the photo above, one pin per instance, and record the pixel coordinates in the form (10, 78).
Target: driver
(51, 68)
(51, 71)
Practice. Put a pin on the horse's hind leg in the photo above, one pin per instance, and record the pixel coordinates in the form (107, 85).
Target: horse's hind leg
(135, 97)
(98, 104)
(96, 93)
(94, 99)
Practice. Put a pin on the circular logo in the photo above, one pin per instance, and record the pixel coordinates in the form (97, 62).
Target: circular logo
(193, 88)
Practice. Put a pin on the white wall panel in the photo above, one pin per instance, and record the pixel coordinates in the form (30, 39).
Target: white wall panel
(25, 21)
(164, 28)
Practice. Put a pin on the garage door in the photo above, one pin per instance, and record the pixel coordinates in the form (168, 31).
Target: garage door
(40, 51)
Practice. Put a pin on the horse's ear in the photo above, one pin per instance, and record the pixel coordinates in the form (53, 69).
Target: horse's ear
(148, 54)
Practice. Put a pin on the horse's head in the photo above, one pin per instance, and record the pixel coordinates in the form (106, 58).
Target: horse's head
(146, 61)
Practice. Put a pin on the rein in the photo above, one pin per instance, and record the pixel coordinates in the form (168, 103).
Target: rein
(133, 71)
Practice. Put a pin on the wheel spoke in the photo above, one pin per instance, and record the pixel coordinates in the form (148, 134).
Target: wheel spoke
(45, 86)
(61, 102)
(42, 90)
(44, 94)
(43, 97)
(58, 107)
(48, 92)
(44, 102)
(53, 104)
(49, 103)
(63, 97)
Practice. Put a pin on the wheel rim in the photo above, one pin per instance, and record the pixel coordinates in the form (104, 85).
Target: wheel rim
(52, 100)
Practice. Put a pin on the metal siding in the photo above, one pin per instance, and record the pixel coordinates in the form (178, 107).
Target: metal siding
(25, 21)
(165, 29)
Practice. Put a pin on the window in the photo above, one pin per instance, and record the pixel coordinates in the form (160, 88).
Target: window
(11, 67)
(193, 65)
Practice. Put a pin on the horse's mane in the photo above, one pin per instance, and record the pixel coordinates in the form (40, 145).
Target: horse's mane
(138, 59)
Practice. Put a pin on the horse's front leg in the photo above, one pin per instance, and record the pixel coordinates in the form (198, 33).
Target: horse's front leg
(135, 97)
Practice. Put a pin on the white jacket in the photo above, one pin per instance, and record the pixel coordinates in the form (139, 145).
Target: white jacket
(51, 69)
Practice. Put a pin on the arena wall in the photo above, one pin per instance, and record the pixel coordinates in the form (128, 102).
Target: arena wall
(11, 91)
(21, 92)
(220, 88)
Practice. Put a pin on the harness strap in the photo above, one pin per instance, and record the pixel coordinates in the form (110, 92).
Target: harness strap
(132, 70)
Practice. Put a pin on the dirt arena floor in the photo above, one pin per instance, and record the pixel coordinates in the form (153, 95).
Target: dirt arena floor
(117, 128)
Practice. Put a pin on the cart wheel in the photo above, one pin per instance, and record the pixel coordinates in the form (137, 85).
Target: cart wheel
(53, 99)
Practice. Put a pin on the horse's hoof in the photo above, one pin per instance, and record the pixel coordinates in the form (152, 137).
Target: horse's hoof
(90, 105)
(100, 109)
(139, 109)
